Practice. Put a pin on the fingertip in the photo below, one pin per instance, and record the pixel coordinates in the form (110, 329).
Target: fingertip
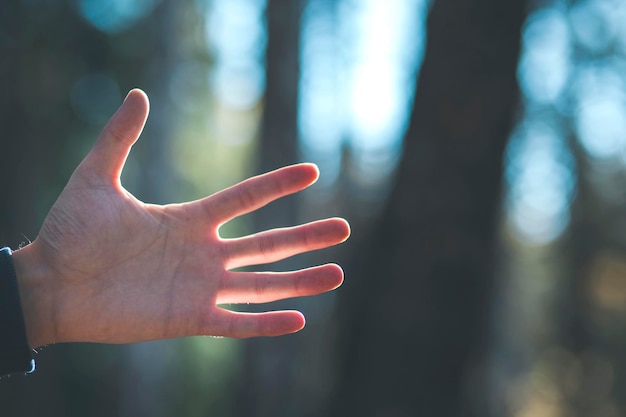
(342, 227)
(307, 171)
(347, 230)
(336, 276)
(137, 97)
(130, 118)
(286, 322)
(313, 168)
(298, 321)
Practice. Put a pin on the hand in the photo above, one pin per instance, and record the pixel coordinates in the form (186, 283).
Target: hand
(109, 268)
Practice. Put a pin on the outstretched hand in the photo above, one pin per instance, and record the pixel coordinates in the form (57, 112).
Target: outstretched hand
(109, 268)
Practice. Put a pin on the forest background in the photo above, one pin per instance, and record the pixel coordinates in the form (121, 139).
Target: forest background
(478, 148)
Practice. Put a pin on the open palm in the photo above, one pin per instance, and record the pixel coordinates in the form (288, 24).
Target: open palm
(117, 270)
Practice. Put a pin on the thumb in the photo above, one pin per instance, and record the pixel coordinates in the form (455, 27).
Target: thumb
(108, 155)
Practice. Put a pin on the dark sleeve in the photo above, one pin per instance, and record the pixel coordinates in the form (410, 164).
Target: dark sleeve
(15, 354)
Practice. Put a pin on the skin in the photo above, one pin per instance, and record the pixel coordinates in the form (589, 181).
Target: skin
(109, 268)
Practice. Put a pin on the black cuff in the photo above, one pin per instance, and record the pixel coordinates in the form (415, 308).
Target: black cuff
(15, 354)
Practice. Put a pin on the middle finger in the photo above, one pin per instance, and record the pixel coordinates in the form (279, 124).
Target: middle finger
(277, 244)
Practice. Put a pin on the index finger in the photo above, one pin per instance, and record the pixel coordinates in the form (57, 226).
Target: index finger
(256, 192)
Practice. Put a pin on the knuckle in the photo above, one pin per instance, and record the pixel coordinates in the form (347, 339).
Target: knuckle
(267, 246)
(298, 286)
(308, 237)
(261, 286)
(116, 134)
(245, 196)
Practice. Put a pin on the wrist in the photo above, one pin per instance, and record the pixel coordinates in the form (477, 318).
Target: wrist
(33, 281)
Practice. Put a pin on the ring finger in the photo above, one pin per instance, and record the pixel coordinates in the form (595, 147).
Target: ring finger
(263, 287)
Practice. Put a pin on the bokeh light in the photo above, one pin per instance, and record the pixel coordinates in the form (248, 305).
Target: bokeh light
(545, 59)
(235, 33)
(541, 183)
(600, 117)
(113, 16)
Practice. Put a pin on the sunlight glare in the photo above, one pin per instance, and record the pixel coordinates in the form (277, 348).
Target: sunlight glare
(601, 114)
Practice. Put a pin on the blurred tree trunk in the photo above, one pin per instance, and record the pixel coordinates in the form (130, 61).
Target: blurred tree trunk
(266, 386)
(413, 320)
(279, 127)
(26, 143)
